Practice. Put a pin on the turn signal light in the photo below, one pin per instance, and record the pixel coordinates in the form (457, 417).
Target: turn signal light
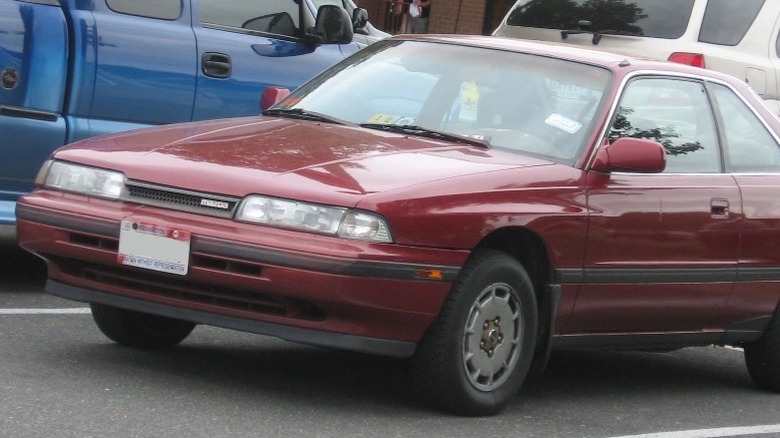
(694, 59)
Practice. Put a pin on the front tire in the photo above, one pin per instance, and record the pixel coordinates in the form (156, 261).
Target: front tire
(477, 352)
(763, 357)
(140, 330)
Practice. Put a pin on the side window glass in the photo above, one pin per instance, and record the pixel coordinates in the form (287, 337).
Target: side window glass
(675, 113)
(749, 146)
(726, 21)
(279, 17)
(161, 9)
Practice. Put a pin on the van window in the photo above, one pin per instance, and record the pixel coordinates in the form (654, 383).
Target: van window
(650, 18)
(163, 10)
(278, 17)
(726, 22)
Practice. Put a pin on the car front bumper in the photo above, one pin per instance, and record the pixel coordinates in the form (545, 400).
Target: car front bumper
(319, 290)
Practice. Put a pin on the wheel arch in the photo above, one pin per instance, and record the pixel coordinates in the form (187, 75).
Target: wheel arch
(529, 249)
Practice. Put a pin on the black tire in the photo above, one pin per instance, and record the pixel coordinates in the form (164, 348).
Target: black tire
(763, 357)
(140, 330)
(477, 352)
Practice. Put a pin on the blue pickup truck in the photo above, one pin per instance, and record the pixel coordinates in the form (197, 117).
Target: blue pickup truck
(71, 69)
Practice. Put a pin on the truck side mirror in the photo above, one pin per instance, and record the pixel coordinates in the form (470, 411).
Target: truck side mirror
(333, 25)
(271, 96)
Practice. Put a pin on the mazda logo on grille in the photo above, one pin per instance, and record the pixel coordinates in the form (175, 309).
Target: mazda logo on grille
(222, 205)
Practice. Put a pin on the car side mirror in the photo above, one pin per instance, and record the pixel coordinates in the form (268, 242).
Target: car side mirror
(271, 96)
(628, 154)
(333, 25)
(359, 18)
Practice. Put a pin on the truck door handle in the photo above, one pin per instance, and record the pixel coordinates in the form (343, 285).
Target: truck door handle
(216, 65)
(719, 208)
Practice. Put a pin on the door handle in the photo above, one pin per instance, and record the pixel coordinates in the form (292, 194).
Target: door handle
(216, 65)
(719, 208)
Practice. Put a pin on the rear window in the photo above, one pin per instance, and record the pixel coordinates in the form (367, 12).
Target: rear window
(727, 21)
(650, 18)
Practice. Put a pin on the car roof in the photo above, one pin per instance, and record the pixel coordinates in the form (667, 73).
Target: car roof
(623, 62)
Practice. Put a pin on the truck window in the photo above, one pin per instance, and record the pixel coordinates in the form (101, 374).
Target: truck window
(160, 9)
(279, 17)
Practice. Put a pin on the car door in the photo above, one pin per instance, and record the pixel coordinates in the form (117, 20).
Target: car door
(661, 248)
(247, 45)
(752, 154)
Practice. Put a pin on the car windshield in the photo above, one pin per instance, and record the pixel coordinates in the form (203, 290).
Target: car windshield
(485, 97)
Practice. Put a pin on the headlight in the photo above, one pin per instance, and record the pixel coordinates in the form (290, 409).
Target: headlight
(86, 180)
(314, 218)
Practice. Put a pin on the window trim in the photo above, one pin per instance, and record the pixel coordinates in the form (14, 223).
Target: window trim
(226, 28)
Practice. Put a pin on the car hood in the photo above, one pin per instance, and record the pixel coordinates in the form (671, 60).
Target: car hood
(290, 158)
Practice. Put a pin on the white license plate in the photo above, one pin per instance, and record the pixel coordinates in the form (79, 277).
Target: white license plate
(150, 246)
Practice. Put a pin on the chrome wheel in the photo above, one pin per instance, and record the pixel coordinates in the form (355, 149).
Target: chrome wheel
(493, 337)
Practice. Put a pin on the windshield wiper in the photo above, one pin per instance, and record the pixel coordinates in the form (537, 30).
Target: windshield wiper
(300, 113)
(596, 34)
(427, 132)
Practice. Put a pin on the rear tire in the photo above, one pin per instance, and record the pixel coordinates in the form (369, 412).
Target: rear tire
(140, 330)
(763, 357)
(477, 352)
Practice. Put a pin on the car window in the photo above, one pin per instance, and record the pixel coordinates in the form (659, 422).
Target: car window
(650, 18)
(726, 22)
(280, 17)
(677, 114)
(749, 145)
(161, 9)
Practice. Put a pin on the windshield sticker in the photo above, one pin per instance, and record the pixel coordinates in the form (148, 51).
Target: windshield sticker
(384, 119)
(563, 123)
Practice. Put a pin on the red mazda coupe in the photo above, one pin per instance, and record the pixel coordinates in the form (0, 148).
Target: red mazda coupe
(469, 202)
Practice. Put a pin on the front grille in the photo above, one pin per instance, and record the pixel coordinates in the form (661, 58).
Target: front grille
(178, 199)
(197, 293)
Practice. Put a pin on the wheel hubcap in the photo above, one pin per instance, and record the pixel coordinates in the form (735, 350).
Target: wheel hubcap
(492, 337)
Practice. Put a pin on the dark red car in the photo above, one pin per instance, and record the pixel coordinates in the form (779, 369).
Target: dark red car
(469, 202)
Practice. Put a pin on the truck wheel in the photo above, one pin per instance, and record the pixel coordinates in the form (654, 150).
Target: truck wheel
(140, 330)
(477, 352)
(763, 357)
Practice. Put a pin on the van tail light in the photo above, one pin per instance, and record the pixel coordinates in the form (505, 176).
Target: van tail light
(694, 59)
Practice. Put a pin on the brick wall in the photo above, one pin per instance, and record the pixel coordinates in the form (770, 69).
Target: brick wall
(457, 16)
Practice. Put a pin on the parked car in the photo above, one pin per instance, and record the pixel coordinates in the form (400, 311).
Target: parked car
(470, 202)
(73, 69)
(735, 37)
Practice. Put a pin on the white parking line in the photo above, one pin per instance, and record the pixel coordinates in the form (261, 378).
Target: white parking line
(69, 311)
(712, 433)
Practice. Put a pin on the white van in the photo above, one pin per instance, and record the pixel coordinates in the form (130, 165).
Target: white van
(738, 37)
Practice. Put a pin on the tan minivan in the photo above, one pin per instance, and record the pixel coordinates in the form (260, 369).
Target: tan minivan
(738, 37)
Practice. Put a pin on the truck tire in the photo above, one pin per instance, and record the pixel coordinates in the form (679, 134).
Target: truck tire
(477, 352)
(140, 330)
